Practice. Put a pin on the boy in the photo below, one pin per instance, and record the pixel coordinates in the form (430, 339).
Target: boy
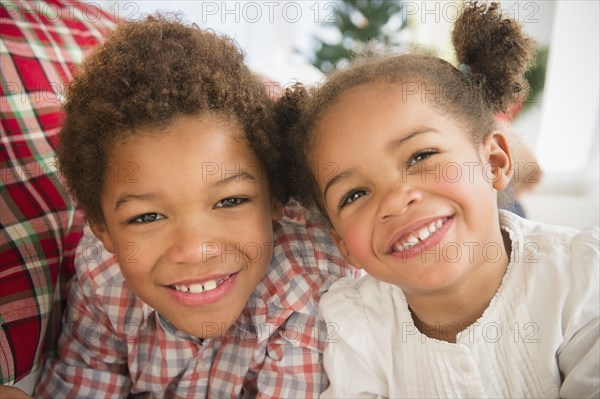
(170, 148)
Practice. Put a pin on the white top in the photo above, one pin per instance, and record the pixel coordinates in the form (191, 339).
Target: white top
(539, 336)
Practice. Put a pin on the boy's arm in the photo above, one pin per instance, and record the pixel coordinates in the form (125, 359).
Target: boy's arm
(308, 264)
(91, 361)
(294, 365)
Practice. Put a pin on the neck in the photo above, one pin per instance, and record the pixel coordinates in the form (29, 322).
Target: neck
(445, 313)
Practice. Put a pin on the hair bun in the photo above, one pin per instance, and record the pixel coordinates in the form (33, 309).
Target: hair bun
(496, 52)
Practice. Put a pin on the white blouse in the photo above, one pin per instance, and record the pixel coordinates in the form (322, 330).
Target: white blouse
(539, 336)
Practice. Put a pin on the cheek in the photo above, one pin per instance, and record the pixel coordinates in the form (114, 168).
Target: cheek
(258, 222)
(135, 261)
(254, 238)
(129, 254)
(138, 281)
(461, 180)
(258, 255)
(254, 232)
(358, 242)
(134, 274)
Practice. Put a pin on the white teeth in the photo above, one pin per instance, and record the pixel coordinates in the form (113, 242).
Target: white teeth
(418, 236)
(210, 285)
(199, 288)
(423, 234)
(402, 247)
(412, 240)
(432, 227)
(195, 288)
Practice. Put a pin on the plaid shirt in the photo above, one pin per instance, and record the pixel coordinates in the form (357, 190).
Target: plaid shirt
(40, 42)
(113, 344)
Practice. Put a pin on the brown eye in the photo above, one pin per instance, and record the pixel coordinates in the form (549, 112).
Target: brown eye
(146, 218)
(351, 197)
(420, 156)
(231, 202)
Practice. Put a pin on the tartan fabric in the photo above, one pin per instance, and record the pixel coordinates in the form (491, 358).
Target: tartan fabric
(114, 345)
(40, 43)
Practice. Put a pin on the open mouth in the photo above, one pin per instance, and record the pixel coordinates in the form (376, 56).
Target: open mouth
(202, 292)
(419, 235)
(198, 288)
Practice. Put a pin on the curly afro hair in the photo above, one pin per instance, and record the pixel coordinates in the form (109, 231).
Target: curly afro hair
(145, 74)
(494, 54)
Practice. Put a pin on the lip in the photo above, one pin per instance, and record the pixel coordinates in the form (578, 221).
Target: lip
(203, 298)
(412, 227)
(429, 243)
(422, 246)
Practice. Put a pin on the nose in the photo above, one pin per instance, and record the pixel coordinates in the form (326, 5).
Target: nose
(192, 243)
(396, 201)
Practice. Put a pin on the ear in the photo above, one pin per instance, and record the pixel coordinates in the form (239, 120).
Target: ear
(276, 210)
(497, 156)
(101, 233)
(341, 244)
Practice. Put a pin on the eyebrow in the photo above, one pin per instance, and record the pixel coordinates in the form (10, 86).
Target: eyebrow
(134, 197)
(392, 146)
(150, 196)
(334, 180)
(241, 175)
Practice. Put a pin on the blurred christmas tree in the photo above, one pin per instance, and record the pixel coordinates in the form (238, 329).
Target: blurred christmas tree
(536, 76)
(359, 23)
(362, 24)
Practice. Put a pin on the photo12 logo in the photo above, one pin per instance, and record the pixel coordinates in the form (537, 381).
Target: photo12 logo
(268, 11)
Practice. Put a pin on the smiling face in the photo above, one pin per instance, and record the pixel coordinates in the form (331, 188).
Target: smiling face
(188, 214)
(411, 198)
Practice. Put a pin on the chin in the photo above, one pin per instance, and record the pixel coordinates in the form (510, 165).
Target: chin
(438, 285)
(434, 283)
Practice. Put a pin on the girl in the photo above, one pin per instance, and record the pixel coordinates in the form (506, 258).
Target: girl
(461, 299)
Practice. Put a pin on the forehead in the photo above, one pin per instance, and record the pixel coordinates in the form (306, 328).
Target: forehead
(185, 134)
(209, 144)
(365, 111)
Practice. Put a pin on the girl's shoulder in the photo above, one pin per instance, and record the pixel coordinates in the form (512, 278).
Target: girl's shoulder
(536, 243)
(351, 303)
(305, 263)
(554, 266)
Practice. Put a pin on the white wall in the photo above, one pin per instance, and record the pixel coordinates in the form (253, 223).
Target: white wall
(566, 141)
(273, 34)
